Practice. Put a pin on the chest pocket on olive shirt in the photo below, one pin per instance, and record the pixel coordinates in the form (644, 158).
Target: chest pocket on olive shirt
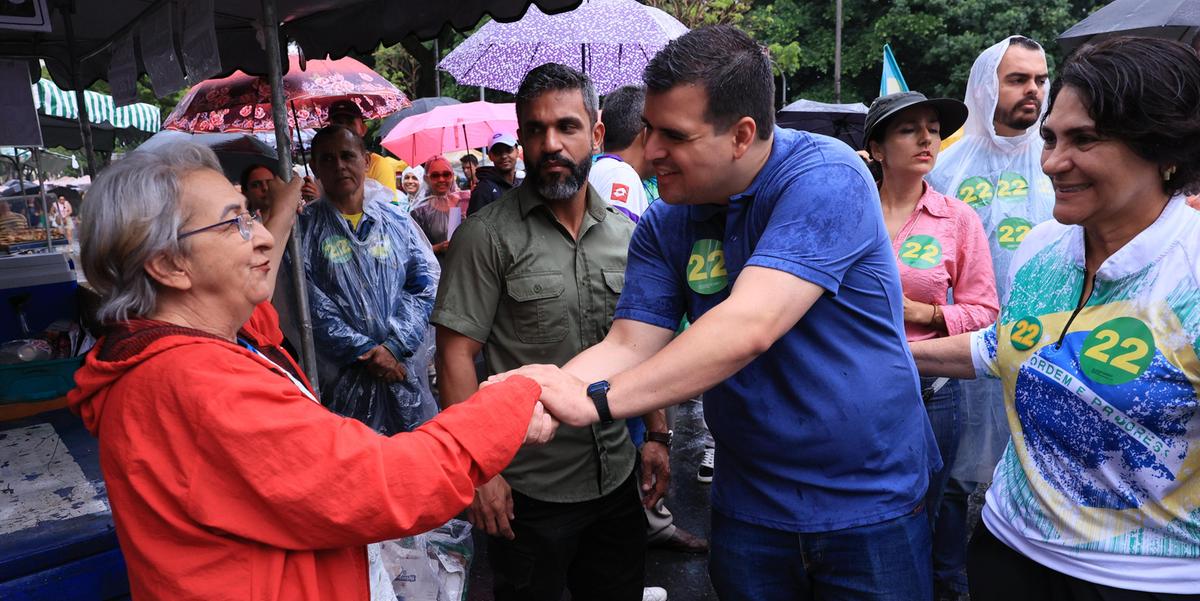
(539, 312)
(614, 283)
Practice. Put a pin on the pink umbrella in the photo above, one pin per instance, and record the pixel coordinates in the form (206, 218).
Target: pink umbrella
(450, 127)
(242, 103)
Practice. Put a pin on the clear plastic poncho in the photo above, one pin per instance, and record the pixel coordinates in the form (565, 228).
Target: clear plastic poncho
(408, 202)
(366, 287)
(1001, 178)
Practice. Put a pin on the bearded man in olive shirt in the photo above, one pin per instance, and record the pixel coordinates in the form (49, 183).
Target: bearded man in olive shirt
(534, 278)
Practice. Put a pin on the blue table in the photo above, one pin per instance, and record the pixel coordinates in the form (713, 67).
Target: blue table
(57, 539)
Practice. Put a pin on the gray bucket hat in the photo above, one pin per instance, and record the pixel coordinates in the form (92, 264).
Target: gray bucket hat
(952, 114)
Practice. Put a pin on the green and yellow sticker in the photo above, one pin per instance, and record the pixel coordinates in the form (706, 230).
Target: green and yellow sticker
(921, 251)
(1012, 186)
(706, 272)
(1117, 351)
(1026, 333)
(1011, 232)
(380, 247)
(975, 191)
(337, 249)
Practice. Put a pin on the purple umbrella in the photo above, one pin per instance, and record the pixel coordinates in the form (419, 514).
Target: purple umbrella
(612, 40)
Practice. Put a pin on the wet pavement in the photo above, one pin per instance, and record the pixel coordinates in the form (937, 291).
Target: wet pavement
(685, 576)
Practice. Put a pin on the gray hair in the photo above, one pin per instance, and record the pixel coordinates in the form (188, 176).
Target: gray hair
(133, 213)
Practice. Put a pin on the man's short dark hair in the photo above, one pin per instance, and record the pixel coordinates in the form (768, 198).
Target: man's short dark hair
(553, 77)
(622, 117)
(734, 70)
(1024, 42)
(245, 178)
(469, 158)
(331, 131)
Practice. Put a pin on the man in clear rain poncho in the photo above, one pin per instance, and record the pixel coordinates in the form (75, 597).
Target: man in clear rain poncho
(372, 279)
(996, 169)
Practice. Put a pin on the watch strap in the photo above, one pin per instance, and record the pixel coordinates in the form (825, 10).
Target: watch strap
(663, 437)
(598, 391)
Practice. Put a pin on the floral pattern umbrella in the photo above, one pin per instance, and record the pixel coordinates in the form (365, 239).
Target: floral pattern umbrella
(611, 40)
(242, 103)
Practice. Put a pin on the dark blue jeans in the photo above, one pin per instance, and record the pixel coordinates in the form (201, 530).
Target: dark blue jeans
(950, 537)
(888, 561)
(947, 510)
(944, 417)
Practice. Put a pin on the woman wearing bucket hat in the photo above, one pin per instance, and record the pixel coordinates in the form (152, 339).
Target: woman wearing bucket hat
(941, 251)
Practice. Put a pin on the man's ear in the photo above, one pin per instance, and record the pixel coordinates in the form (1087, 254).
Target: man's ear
(168, 270)
(597, 137)
(744, 133)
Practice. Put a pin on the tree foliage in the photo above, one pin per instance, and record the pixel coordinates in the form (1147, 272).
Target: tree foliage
(935, 41)
(412, 67)
(698, 13)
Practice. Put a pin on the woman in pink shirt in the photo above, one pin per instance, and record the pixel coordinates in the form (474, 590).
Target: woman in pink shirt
(942, 253)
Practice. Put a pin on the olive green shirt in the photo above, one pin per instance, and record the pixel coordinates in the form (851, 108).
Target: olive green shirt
(516, 281)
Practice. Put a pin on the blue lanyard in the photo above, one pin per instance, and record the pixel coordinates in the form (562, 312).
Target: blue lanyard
(298, 383)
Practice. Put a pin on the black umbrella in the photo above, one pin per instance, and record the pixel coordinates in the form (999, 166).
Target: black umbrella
(420, 105)
(841, 121)
(1167, 19)
(13, 187)
(235, 152)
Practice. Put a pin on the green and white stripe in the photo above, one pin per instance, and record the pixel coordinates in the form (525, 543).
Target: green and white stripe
(54, 101)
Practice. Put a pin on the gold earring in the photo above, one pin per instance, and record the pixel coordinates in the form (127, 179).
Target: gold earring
(1170, 171)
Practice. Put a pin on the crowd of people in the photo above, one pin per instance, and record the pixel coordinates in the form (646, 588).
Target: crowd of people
(872, 335)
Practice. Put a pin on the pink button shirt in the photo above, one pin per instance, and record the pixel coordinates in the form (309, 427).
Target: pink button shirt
(942, 247)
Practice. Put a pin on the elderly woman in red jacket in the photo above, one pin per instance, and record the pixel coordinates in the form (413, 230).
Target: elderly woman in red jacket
(226, 478)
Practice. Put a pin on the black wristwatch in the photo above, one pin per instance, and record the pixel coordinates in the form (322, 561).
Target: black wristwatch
(598, 391)
(663, 437)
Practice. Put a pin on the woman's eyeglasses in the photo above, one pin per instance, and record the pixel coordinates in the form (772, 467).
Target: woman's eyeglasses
(245, 225)
(441, 175)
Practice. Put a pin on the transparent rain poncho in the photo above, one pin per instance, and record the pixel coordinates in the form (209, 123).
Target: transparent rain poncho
(1001, 178)
(366, 287)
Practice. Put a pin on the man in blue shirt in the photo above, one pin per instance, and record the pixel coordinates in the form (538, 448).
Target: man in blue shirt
(773, 244)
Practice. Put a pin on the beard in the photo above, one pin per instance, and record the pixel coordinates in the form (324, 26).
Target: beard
(1015, 120)
(565, 186)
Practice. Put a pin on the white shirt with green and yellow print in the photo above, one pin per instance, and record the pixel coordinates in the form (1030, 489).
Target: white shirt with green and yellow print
(1100, 479)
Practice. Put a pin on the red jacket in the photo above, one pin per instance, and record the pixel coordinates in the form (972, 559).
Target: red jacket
(227, 482)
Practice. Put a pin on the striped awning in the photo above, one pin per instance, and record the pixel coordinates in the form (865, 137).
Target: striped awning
(54, 101)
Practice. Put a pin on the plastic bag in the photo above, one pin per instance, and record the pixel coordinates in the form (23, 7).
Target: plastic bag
(433, 566)
(1002, 179)
(370, 287)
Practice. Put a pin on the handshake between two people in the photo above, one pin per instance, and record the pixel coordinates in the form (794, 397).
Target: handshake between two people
(564, 399)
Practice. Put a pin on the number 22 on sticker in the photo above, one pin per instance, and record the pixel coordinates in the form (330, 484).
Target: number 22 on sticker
(1026, 333)
(1013, 234)
(915, 251)
(706, 272)
(1117, 351)
(715, 262)
(1125, 361)
(921, 251)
